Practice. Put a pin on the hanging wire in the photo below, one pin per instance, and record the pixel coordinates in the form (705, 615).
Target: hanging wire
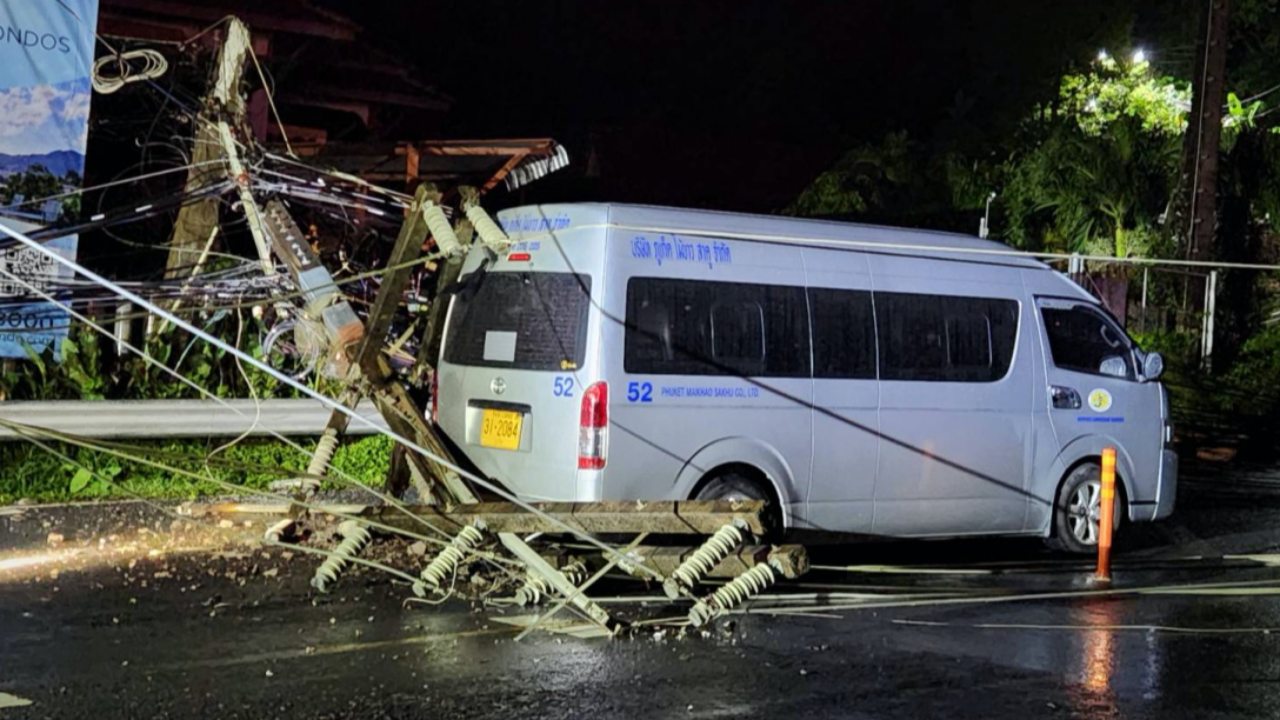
(294, 295)
(253, 393)
(117, 183)
(141, 212)
(325, 400)
(153, 66)
(385, 497)
(33, 438)
(27, 431)
(266, 88)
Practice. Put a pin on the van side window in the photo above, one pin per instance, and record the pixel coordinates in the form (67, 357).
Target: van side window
(737, 333)
(943, 338)
(695, 327)
(1083, 340)
(844, 333)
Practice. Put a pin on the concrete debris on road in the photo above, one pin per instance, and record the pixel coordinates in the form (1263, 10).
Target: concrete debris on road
(12, 701)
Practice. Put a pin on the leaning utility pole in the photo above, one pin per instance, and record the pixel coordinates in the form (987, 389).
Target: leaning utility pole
(1200, 149)
(223, 104)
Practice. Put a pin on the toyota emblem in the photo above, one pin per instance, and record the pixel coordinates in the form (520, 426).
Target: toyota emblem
(498, 386)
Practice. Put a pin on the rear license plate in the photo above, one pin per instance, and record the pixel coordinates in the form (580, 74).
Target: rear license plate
(500, 429)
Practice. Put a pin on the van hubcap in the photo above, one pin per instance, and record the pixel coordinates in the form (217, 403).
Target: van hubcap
(1084, 512)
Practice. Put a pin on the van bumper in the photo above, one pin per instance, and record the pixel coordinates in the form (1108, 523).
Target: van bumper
(589, 486)
(1168, 492)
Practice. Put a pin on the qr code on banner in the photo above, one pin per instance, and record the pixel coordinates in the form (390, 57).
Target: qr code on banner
(34, 268)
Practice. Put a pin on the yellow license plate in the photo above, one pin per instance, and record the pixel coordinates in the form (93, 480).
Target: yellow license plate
(500, 429)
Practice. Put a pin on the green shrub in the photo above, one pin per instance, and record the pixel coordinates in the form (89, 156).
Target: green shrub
(1256, 372)
(88, 371)
(28, 471)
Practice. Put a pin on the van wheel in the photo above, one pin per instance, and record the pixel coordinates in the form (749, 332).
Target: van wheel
(735, 485)
(1078, 509)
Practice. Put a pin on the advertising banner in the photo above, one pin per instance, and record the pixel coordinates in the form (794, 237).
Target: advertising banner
(46, 58)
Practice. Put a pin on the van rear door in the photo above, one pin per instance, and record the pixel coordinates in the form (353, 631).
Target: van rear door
(514, 359)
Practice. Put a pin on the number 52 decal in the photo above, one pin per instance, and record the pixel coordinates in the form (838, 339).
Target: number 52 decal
(640, 392)
(563, 387)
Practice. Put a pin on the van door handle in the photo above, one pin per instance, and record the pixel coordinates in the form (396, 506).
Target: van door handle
(1064, 398)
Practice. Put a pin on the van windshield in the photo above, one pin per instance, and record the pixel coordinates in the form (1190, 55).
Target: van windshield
(521, 320)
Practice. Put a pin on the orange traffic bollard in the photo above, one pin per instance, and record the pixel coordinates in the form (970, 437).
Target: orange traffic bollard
(1107, 514)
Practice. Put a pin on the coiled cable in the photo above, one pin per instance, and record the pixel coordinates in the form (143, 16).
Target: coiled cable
(128, 70)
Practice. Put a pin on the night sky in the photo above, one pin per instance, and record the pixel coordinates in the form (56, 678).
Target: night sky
(737, 104)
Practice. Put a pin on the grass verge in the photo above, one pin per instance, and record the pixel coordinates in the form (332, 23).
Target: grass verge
(29, 472)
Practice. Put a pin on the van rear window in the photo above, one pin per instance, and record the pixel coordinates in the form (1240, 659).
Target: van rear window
(521, 320)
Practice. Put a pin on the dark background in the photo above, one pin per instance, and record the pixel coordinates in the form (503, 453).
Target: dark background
(738, 105)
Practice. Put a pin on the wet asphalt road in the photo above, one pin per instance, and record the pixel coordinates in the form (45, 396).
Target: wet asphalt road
(190, 633)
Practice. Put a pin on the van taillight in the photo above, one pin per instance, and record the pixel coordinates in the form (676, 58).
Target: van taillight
(593, 427)
(435, 396)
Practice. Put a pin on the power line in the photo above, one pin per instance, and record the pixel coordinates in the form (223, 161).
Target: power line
(408, 443)
(115, 183)
(148, 358)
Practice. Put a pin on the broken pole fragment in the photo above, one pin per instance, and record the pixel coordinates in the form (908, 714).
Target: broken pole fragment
(659, 517)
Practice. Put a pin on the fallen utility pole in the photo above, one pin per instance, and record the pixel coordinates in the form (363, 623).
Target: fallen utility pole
(403, 414)
(666, 517)
(354, 351)
(335, 324)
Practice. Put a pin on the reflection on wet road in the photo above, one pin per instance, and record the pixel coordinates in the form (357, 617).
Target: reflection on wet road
(197, 635)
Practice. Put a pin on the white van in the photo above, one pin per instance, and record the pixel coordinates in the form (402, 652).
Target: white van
(861, 379)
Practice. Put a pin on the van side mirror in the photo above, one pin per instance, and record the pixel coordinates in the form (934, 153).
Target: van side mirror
(1152, 366)
(1115, 366)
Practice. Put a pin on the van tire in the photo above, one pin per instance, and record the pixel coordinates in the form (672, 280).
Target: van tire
(737, 485)
(1076, 511)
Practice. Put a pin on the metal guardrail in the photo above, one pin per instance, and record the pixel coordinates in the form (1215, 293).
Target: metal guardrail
(178, 418)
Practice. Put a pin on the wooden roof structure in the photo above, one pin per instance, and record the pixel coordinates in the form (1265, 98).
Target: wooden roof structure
(322, 73)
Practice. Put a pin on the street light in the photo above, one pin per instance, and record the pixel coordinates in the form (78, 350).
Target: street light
(984, 227)
(1139, 56)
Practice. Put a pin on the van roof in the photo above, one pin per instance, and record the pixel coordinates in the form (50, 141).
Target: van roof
(800, 231)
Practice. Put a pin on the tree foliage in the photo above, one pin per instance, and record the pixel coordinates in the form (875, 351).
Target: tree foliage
(865, 178)
(1098, 165)
(33, 183)
(1089, 170)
